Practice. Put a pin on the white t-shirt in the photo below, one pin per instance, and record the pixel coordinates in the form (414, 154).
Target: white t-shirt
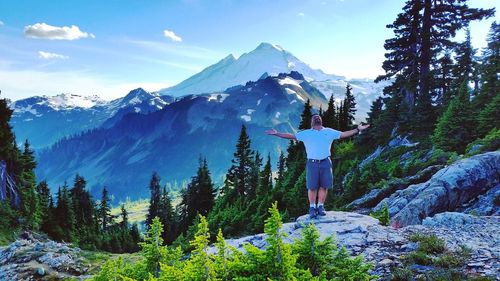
(318, 142)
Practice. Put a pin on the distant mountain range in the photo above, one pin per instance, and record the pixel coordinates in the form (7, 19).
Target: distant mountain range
(44, 120)
(170, 141)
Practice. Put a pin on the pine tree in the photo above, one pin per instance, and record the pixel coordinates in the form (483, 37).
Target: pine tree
(444, 80)
(305, 117)
(124, 215)
(64, 216)
(422, 30)
(105, 210)
(198, 198)
(452, 133)
(154, 201)
(488, 117)
(238, 175)
(490, 87)
(46, 205)
(206, 190)
(349, 107)
(465, 63)
(330, 116)
(8, 149)
(167, 217)
(30, 207)
(281, 168)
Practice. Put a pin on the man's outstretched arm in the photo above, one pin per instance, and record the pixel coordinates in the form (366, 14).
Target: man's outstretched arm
(351, 133)
(288, 136)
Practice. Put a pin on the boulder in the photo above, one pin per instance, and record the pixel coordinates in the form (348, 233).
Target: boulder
(373, 197)
(485, 205)
(447, 190)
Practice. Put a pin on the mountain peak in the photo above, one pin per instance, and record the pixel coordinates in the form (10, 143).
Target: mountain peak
(269, 46)
(266, 58)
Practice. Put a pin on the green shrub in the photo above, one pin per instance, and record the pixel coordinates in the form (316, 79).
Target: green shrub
(382, 215)
(449, 260)
(490, 142)
(401, 274)
(418, 257)
(277, 262)
(429, 244)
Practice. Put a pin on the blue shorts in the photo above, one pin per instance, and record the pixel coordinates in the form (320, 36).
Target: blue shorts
(319, 174)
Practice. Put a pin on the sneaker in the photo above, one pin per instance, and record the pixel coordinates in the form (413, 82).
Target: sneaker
(321, 211)
(312, 213)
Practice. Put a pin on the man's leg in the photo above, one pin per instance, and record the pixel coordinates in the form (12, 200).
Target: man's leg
(311, 194)
(322, 195)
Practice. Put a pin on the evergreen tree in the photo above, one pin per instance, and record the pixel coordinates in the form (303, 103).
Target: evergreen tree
(105, 210)
(349, 107)
(154, 201)
(124, 215)
(281, 167)
(206, 190)
(490, 87)
(30, 207)
(465, 63)
(444, 80)
(254, 177)
(258, 207)
(488, 117)
(167, 217)
(422, 30)
(452, 133)
(46, 205)
(86, 222)
(238, 176)
(198, 198)
(8, 149)
(330, 116)
(305, 117)
(64, 216)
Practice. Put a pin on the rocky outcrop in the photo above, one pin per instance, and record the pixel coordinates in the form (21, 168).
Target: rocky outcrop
(31, 258)
(384, 246)
(376, 195)
(487, 204)
(447, 190)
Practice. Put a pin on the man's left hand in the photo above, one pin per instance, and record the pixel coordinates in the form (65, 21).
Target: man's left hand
(362, 127)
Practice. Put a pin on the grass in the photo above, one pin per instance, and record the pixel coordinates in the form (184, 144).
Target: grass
(96, 259)
(443, 263)
(429, 244)
(8, 236)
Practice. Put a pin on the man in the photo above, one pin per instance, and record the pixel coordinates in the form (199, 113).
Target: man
(319, 176)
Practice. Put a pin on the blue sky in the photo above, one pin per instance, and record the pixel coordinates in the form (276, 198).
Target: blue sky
(110, 47)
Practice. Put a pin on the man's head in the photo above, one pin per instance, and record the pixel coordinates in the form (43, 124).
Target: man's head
(316, 120)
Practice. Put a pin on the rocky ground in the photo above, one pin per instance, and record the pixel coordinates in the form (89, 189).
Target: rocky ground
(384, 246)
(33, 257)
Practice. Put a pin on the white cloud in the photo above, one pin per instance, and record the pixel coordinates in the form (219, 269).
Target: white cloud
(301, 14)
(45, 31)
(170, 34)
(50, 56)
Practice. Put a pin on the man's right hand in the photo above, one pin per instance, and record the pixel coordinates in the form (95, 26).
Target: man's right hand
(271, 132)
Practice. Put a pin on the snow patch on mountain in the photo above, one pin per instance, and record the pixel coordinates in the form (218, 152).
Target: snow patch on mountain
(247, 118)
(289, 81)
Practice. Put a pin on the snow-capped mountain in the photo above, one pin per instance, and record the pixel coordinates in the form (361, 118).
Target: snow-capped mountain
(270, 59)
(43, 119)
(266, 58)
(169, 141)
